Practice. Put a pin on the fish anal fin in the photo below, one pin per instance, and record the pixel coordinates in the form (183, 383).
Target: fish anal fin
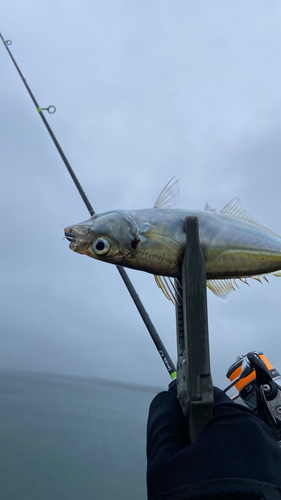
(169, 196)
(264, 276)
(244, 280)
(277, 273)
(221, 288)
(257, 278)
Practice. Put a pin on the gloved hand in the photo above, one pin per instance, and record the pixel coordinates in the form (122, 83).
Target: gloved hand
(236, 451)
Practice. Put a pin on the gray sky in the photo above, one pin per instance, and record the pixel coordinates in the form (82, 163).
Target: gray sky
(144, 91)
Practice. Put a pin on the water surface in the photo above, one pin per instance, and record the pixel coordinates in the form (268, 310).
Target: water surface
(69, 438)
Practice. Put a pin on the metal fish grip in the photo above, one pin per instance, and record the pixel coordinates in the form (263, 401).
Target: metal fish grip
(194, 381)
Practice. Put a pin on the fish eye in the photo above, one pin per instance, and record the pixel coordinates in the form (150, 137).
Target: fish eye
(101, 246)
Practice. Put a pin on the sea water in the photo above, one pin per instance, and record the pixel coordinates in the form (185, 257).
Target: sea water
(70, 438)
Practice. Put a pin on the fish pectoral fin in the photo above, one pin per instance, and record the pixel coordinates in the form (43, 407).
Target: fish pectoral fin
(169, 196)
(221, 288)
(168, 288)
(164, 240)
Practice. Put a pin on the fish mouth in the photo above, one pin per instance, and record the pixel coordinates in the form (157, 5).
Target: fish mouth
(79, 236)
(69, 236)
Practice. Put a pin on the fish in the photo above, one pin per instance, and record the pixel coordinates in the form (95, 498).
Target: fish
(153, 240)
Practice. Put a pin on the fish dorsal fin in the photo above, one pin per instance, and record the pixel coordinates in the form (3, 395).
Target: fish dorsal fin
(169, 196)
(208, 208)
(168, 288)
(235, 209)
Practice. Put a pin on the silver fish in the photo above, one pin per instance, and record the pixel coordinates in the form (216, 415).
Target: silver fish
(152, 240)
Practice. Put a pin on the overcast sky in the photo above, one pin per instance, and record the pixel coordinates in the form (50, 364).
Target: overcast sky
(144, 91)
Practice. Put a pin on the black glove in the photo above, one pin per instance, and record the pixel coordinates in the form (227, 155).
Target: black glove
(236, 451)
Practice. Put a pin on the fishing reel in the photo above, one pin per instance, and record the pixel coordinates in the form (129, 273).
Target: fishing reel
(259, 386)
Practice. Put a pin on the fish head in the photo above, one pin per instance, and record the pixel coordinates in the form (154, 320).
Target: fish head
(110, 237)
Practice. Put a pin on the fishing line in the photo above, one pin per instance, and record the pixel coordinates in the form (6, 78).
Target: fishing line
(145, 317)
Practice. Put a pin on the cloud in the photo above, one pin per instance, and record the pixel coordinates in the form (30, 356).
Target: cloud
(143, 92)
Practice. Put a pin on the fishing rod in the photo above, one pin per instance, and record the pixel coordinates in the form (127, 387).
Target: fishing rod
(144, 315)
